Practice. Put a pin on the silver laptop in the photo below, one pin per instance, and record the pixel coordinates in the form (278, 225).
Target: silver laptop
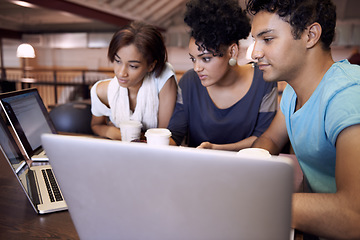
(118, 190)
(38, 182)
(29, 119)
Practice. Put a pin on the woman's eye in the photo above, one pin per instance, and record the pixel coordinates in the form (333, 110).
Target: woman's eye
(192, 59)
(117, 60)
(206, 59)
(134, 67)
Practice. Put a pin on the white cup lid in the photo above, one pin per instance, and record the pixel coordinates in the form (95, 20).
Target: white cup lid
(254, 152)
(161, 132)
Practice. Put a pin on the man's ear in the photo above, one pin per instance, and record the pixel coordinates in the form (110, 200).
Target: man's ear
(313, 34)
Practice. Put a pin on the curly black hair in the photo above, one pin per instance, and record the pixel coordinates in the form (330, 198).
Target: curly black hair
(300, 14)
(216, 23)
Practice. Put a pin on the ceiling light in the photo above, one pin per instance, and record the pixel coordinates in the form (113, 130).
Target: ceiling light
(25, 51)
(24, 4)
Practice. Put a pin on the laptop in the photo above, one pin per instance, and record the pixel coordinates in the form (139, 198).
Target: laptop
(29, 119)
(119, 190)
(38, 182)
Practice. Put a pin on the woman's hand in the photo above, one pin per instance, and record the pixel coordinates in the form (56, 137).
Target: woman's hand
(102, 128)
(206, 145)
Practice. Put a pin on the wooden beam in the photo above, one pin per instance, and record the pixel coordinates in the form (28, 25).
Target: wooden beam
(5, 33)
(81, 11)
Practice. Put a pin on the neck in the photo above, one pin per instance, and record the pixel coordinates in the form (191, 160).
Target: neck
(233, 76)
(310, 75)
(133, 90)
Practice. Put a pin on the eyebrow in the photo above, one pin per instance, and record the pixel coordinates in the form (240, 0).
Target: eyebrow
(264, 32)
(200, 55)
(132, 61)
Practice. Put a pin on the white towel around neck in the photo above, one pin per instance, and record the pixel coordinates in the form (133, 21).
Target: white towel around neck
(147, 103)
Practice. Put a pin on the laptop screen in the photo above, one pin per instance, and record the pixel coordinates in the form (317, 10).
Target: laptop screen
(37, 181)
(29, 117)
(15, 158)
(9, 147)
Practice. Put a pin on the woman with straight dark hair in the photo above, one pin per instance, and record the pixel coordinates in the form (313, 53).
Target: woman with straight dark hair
(144, 87)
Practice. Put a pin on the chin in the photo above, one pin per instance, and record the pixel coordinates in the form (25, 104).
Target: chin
(123, 85)
(210, 82)
(269, 78)
(206, 83)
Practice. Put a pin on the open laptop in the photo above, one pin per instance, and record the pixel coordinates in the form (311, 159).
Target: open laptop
(29, 119)
(119, 190)
(38, 182)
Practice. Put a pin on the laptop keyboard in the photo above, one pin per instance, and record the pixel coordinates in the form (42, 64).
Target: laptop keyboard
(51, 185)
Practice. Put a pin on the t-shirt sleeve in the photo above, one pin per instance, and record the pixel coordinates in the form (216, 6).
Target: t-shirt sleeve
(178, 124)
(343, 111)
(267, 110)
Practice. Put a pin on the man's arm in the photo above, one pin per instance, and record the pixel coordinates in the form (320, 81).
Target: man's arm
(275, 137)
(335, 216)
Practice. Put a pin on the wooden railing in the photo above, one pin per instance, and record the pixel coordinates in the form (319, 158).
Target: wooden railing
(56, 86)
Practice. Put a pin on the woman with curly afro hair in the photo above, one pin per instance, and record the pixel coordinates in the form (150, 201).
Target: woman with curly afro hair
(224, 105)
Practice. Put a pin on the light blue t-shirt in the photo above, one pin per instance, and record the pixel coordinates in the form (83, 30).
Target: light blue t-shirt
(314, 128)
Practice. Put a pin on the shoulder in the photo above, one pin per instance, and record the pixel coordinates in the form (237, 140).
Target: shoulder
(100, 90)
(348, 73)
(99, 98)
(167, 73)
(102, 87)
(342, 76)
(189, 78)
(341, 85)
(190, 85)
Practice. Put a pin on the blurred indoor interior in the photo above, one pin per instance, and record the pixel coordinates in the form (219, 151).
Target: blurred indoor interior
(71, 37)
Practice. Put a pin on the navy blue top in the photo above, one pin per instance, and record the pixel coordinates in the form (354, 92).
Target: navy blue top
(197, 117)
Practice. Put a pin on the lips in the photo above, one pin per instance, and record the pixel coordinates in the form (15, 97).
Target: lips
(202, 77)
(122, 81)
(263, 66)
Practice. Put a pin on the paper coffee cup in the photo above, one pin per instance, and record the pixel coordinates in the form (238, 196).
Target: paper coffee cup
(130, 130)
(158, 136)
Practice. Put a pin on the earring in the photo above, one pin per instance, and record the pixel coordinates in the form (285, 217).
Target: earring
(232, 62)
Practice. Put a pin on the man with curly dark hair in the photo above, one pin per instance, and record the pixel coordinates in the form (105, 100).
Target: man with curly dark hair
(224, 105)
(320, 111)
